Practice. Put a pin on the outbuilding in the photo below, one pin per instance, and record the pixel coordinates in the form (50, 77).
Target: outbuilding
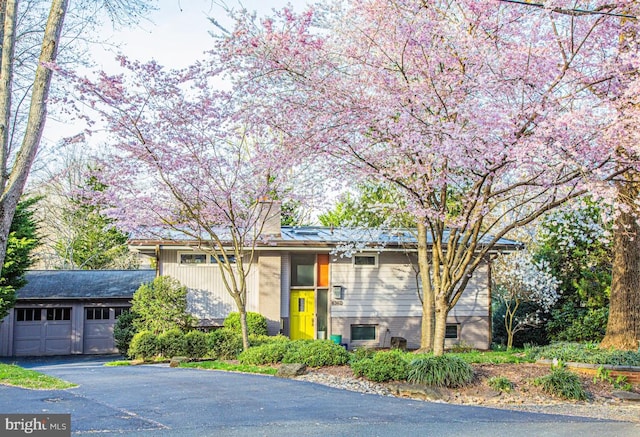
(65, 312)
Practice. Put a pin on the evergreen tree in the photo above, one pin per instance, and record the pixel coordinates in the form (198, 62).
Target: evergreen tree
(95, 243)
(23, 238)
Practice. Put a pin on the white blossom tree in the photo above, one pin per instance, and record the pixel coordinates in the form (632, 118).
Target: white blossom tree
(518, 279)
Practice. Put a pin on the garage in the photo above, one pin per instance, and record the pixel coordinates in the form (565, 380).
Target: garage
(68, 312)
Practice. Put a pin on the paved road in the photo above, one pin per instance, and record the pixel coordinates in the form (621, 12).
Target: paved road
(160, 401)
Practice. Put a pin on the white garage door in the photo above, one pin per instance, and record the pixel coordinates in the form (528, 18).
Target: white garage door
(42, 331)
(98, 329)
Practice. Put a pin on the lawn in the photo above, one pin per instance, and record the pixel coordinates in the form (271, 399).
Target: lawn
(19, 377)
(230, 367)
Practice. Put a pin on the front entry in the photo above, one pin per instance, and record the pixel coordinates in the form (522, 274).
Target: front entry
(302, 308)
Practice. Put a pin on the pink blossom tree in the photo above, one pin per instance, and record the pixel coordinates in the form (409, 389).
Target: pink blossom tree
(485, 115)
(186, 166)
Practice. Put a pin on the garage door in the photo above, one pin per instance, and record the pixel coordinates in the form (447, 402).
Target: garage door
(42, 331)
(98, 329)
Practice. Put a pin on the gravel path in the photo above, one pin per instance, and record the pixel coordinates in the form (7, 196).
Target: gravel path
(608, 410)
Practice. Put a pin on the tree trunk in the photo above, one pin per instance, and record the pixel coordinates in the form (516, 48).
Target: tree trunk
(428, 308)
(623, 327)
(14, 183)
(244, 329)
(442, 310)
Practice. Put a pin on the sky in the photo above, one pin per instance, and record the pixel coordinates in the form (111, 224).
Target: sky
(178, 32)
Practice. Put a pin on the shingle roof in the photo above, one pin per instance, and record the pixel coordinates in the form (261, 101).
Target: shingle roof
(83, 284)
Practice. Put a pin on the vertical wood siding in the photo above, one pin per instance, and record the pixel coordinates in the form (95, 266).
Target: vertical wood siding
(208, 299)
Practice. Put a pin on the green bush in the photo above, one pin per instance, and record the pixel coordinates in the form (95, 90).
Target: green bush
(440, 371)
(316, 353)
(172, 343)
(259, 340)
(591, 326)
(256, 323)
(500, 383)
(123, 331)
(588, 353)
(144, 345)
(362, 353)
(561, 382)
(196, 344)
(382, 366)
(224, 344)
(268, 353)
(161, 305)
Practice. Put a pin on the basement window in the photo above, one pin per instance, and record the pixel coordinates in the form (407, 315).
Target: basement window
(452, 330)
(363, 332)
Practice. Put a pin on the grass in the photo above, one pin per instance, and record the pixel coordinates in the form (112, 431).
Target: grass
(118, 363)
(17, 376)
(229, 367)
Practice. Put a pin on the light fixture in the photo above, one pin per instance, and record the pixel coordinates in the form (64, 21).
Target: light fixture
(337, 291)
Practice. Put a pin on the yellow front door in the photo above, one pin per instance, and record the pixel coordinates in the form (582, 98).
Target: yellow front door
(302, 307)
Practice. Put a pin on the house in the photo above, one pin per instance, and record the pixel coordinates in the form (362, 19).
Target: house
(63, 312)
(306, 287)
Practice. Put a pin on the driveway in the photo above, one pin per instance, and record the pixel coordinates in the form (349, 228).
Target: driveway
(155, 400)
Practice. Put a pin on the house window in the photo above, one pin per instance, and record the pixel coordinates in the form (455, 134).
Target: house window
(303, 270)
(97, 313)
(451, 331)
(58, 313)
(193, 258)
(28, 314)
(215, 259)
(363, 332)
(365, 260)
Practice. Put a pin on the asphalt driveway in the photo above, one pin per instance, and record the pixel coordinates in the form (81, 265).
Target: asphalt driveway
(157, 400)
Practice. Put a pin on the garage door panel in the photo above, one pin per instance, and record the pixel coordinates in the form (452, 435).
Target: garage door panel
(35, 335)
(98, 331)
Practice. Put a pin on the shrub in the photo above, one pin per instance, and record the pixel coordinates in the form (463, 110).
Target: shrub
(256, 323)
(316, 353)
(588, 353)
(172, 343)
(440, 371)
(362, 353)
(224, 344)
(123, 331)
(500, 383)
(258, 340)
(144, 345)
(267, 353)
(161, 305)
(561, 382)
(382, 366)
(196, 344)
